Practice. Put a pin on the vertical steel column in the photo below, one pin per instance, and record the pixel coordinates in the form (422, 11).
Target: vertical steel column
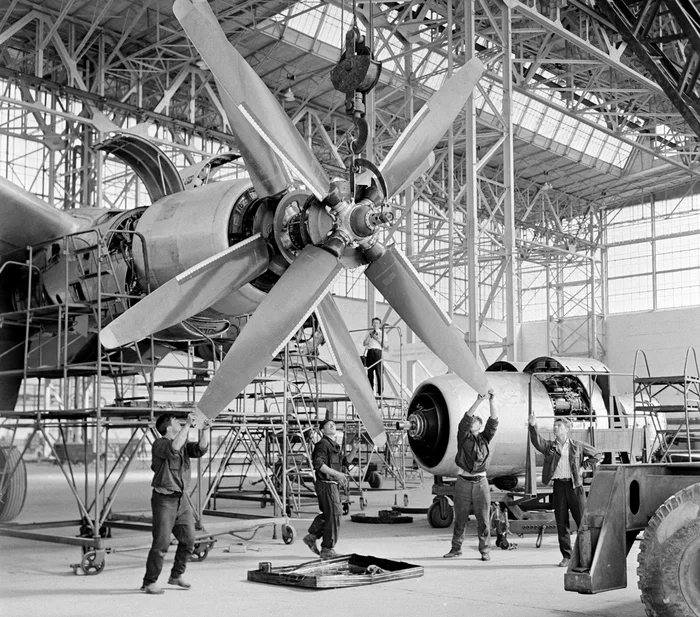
(193, 96)
(508, 183)
(99, 156)
(51, 155)
(603, 273)
(409, 196)
(549, 310)
(654, 289)
(371, 130)
(592, 313)
(101, 252)
(39, 49)
(450, 180)
(471, 193)
(285, 421)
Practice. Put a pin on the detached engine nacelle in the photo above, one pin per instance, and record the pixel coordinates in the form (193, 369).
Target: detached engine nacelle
(439, 404)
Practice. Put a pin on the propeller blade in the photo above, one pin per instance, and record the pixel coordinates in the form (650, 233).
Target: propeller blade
(428, 126)
(293, 298)
(266, 171)
(397, 280)
(350, 369)
(189, 293)
(424, 166)
(250, 94)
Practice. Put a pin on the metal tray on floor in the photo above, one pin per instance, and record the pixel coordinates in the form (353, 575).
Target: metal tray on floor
(343, 571)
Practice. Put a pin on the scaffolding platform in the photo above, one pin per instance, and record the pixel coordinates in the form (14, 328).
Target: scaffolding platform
(672, 402)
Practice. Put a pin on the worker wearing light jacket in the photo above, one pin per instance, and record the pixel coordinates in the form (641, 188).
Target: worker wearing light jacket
(375, 343)
(564, 460)
(471, 486)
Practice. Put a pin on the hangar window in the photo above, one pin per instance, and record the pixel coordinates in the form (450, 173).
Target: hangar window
(630, 294)
(654, 255)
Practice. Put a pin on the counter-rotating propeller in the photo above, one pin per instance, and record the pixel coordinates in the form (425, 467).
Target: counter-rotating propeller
(316, 257)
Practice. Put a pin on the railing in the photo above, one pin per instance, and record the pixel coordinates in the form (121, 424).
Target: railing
(665, 397)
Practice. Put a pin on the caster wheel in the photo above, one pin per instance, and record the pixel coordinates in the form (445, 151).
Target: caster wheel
(363, 503)
(502, 542)
(405, 500)
(288, 534)
(346, 508)
(439, 519)
(201, 551)
(92, 563)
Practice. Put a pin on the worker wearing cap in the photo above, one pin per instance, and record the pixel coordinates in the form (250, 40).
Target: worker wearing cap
(471, 486)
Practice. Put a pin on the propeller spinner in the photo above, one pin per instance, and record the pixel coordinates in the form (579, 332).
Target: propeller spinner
(317, 234)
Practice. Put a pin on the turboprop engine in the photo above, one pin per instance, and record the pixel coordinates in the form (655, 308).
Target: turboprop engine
(548, 386)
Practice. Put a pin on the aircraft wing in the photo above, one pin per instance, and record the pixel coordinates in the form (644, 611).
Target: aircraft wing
(27, 220)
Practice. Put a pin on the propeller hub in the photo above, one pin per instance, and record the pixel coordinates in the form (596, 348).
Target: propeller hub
(360, 220)
(416, 425)
(336, 223)
(366, 218)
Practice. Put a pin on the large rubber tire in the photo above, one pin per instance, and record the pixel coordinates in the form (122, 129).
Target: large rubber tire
(669, 557)
(15, 490)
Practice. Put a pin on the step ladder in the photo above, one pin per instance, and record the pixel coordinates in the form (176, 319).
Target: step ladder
(672, 402)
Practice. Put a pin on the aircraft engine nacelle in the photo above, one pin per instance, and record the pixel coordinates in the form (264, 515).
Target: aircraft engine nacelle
(439, 403)
(182, 229)
(185, 228)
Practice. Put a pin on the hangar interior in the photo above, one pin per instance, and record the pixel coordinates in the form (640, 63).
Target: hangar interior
(558, 218)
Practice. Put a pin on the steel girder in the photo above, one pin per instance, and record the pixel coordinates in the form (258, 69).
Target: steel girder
(665, 37)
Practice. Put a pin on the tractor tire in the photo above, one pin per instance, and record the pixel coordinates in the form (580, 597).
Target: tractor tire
(669, 557)
(15, 489)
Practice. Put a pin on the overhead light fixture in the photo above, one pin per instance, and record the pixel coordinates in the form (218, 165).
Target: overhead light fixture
(289, 96)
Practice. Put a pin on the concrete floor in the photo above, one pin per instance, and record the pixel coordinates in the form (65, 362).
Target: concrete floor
(36, 578)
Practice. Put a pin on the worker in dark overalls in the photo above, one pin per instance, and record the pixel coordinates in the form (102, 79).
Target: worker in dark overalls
(329, 477)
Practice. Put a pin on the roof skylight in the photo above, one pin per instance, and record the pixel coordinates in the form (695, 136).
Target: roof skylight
(328, 23)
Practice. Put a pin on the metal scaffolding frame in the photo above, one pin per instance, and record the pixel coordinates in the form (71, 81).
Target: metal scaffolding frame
(104, 415)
